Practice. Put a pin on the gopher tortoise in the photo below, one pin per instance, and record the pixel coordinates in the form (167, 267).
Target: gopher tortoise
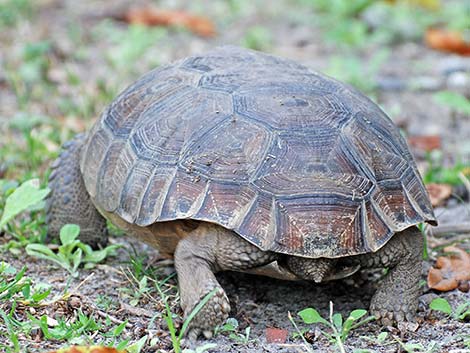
(242, 161)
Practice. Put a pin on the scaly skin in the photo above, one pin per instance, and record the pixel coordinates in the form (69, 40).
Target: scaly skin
(69, 202)
(396, 298)
(207, 250)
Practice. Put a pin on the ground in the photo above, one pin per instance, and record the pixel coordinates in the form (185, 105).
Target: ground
(63, 61)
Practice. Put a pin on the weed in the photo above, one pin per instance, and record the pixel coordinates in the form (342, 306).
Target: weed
(137, 263)
(360, 23)
(105, 302)
(231, 327)
(339, 329)
(382, 339)
(136, 347)
(25, 196)
(457, 102)
(352, 69)
(28, 80)
(418, 347)
(13, 10)
(72, 252)
(340, 20)
(438, 173)
(461, 312)
(14, 285)
(257, 38)
(16, 288)
(129, 45)
(141, 288)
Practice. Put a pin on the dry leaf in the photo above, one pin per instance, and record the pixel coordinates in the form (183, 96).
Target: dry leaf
(425, 142)
(449, 271)
(447, 40)
(151, 16)
(91, 349)
(276, 335)
(438, 193)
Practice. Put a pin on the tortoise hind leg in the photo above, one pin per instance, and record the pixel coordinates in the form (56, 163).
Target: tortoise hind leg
(396, 298)
(207, 250)
(69, 201)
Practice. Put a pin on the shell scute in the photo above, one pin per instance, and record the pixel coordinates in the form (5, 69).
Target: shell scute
(293, 161)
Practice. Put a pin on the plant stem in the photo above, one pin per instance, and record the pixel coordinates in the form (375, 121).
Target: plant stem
(307, 345)
(336, 334)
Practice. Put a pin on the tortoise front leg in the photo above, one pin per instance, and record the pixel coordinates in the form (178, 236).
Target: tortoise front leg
(396, 299)
(207, 250)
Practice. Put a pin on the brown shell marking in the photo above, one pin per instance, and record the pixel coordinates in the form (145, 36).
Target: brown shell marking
(293, 161)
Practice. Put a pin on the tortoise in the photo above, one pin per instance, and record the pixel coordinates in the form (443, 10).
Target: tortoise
(238, 160)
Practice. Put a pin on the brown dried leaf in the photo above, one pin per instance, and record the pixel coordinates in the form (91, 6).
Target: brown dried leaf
(151, 16)
(447, 40)
(449, 271)
(438, 193)
(276, 335)
(425, 142)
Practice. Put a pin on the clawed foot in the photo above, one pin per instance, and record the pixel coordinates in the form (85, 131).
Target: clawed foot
(215, 312)
(393, 314)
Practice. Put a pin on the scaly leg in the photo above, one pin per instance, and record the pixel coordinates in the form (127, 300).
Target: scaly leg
(396, 299)
(207, 250)
(69, 201)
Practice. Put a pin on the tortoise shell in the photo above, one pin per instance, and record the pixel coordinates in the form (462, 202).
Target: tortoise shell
(291, 160)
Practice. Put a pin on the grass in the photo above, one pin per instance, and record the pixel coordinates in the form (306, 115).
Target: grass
(25, 307)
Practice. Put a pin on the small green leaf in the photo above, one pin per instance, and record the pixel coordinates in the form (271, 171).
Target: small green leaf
(462, 311)
(41, 251)
(311, 316)
(442, 305)
(357, 314)
(68, 233)
(136, 347)
(382, 336)
(453, 100)
(337, 320)
(26, 195)
(76, 260)
(39, 296)
(118, 329)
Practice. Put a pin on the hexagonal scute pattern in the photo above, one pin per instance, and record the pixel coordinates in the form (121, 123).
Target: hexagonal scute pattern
(293, 161)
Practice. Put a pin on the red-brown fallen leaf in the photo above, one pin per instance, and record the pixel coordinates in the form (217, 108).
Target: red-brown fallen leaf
(449, 271)
(438, 193)
(152, 16)
(447, 40)
(425, 142)
(91, 349)
(276, 335)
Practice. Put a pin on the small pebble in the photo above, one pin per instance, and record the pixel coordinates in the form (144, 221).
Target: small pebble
(464, 286)
(458, 80)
